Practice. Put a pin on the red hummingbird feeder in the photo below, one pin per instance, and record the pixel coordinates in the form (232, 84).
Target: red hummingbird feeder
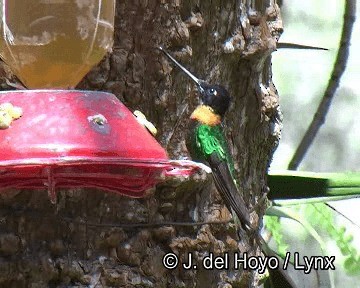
(69, 138)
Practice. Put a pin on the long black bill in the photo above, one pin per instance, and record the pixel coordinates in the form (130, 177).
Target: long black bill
(198, 81)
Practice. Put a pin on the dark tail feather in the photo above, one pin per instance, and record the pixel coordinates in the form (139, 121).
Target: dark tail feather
(224, 183)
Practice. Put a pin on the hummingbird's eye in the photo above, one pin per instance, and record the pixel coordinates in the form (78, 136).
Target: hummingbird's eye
(213, 91)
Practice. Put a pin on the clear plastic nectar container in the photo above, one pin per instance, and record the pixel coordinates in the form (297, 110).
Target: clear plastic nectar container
(54, 43)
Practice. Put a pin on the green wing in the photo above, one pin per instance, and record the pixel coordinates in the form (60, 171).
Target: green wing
(210, 140)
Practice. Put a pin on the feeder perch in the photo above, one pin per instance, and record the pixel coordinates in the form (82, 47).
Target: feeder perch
(70, 138)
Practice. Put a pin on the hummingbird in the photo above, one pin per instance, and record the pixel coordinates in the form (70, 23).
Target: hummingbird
(207, 143)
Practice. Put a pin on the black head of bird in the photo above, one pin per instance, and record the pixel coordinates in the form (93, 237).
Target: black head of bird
(214, 96)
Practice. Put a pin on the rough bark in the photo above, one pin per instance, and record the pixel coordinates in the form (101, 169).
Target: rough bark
(63, 245)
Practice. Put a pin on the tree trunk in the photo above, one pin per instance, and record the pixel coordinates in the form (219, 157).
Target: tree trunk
(76, 242)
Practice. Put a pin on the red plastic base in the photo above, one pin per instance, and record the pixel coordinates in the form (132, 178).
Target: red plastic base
(77, 139)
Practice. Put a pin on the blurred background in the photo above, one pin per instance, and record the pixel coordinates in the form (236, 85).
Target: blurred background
(301, 77)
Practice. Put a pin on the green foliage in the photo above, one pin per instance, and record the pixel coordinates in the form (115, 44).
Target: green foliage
(321, 217)
(272, 224)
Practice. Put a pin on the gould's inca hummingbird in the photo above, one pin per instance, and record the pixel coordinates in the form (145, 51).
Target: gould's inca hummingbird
(206, 143)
